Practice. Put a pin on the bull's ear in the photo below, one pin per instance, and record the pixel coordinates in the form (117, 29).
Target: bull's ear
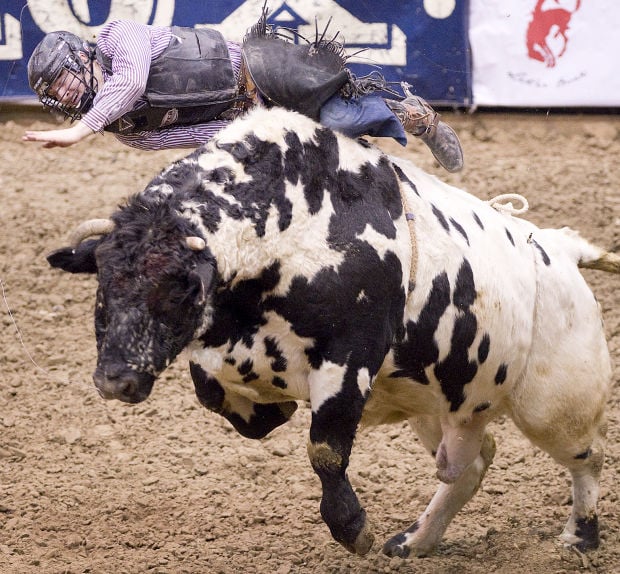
(78, 260)
(204, 275)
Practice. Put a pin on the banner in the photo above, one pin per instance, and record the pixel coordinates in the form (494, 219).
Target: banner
(525, 53)
(422, 42)
(545, 52)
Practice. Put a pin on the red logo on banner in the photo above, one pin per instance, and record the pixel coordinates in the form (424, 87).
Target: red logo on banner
(546, 34)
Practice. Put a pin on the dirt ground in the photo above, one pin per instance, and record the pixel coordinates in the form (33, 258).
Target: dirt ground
(168, 487)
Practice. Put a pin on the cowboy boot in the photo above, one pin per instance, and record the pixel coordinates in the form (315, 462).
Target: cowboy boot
(420, 120)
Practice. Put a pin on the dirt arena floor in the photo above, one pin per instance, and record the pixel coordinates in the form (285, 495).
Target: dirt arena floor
(168, 487)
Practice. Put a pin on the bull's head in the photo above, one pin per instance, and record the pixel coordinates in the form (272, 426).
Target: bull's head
(154, 284)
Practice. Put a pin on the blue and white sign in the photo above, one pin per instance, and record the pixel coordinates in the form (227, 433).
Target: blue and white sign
(422, 42)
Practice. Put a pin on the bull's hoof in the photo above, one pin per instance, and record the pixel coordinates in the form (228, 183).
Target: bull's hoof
(363, 543)
(586, 536)
(409, 543)
(395, 546)
(588, 533)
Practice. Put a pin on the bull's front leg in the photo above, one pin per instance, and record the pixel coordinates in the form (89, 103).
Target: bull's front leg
(250, 419)
(337, 396)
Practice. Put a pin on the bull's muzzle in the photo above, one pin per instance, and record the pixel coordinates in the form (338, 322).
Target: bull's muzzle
(127, 386)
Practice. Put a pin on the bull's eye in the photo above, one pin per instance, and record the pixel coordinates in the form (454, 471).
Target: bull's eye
(172, 296)
(482, 407)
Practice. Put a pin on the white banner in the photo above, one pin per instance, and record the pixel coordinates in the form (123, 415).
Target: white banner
(545, 52)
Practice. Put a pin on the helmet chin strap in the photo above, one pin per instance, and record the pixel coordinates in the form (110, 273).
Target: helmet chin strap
(94, 83)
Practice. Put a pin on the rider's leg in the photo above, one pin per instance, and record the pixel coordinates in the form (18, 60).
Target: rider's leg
(369, 115)
(420, 120)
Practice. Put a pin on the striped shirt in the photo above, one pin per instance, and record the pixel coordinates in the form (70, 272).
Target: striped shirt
(132, 47)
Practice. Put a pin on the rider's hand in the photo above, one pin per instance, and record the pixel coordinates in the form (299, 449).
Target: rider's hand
(59, 138)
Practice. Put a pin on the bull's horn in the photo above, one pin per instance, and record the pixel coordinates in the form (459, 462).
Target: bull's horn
(89, 228)
(195, 243)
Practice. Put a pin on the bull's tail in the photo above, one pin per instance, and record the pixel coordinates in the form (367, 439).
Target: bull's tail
(609, 262)
(590, 256)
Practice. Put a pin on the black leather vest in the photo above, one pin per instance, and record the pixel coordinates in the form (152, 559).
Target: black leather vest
(191, 82)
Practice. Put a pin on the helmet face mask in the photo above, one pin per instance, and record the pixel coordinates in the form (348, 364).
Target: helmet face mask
(60, 71)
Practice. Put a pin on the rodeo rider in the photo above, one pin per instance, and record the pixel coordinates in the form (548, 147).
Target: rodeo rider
(159, 87)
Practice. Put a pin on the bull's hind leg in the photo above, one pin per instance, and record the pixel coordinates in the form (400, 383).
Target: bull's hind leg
(582, 530)
(582, 451)
(424, 534)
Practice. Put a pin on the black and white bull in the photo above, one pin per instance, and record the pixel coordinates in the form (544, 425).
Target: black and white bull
(282, 257)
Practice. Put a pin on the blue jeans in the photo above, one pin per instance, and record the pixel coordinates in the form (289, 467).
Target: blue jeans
(366, 115)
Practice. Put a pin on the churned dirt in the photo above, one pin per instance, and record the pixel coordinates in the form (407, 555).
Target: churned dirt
(168, 487)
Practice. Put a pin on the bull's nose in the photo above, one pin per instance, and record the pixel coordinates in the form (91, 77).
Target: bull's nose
(111, 383)
(112, 388)
(115, 387)
(122, 384)
(112, 370)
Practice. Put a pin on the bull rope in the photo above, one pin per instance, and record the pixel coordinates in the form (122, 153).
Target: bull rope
(410, 217)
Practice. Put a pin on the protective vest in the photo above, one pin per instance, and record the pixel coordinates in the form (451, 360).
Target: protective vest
(192, 81)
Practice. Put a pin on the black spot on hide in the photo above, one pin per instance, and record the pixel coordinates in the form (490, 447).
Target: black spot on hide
(482, 407)
(263, 162)
(460, 229)
(465, 290)
(183, 176)
(347, 328)
(441, 218)
(456, 370)
(245, 369)
(403, 177)
(419, 350)
(313, 164)
(585, 454)
(272, 350)
(368, 197)
(483, 348)
(500, 376)
(477, 220)
(278, 382)
(543, 253)
(238, 312)
(209, 392)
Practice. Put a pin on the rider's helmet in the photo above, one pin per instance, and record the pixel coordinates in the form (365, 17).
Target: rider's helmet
(59, 75)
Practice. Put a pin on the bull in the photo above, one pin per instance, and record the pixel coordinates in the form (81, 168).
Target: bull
(295, 264)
